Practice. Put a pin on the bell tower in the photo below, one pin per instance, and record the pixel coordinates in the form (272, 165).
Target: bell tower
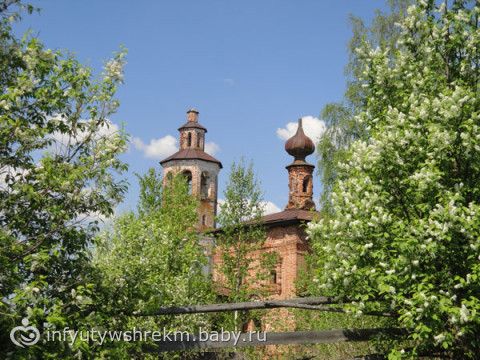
(192, 134)
(299, 171)
(200, 168)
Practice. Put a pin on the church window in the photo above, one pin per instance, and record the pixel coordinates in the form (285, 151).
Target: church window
(189, 139)
(273, 277)
(306, 183)
(204, 185)
(188, 176)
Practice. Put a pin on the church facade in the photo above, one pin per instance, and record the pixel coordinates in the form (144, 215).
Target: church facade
(285, 230)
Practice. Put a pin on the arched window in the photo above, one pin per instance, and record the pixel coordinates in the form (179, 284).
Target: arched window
(199, 138)
(204, 185)
(273, 277)
(306, 184)
(189, 139)
(204, 219)
(188, 176)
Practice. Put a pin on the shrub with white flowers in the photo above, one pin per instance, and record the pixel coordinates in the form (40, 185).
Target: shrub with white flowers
(61, 173)
(404, 233)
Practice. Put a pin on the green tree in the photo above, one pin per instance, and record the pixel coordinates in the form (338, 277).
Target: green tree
(153, 258)
(342, 127)
(58, 159)
(404, 236)
(241, 235)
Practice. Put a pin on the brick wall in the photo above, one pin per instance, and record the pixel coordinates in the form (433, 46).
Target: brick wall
(300, 187)
(208, 203)
(290, 245)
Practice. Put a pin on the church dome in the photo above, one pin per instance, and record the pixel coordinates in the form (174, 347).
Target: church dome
(299, 145)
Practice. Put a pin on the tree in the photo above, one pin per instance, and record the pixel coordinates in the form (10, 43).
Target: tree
(342, 127)
(240, 238)
(405, 227)
(58, 160)
(153, 258)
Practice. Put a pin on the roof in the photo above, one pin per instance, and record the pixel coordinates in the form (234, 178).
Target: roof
(187, 154)
(299, 145)
(285, 217)
(192, 125)
(289, 216)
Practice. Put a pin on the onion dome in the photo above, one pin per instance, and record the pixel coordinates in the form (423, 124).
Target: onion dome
(299, 145)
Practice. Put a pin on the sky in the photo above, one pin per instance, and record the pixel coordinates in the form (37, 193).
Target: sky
(250, 67)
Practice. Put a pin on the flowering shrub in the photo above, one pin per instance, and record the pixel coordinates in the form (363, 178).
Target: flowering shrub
(60, 174)
(404, 234)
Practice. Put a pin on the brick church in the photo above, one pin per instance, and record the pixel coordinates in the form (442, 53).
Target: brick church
(285, 229)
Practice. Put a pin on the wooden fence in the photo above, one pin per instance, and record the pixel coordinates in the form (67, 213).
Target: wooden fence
(183, 341)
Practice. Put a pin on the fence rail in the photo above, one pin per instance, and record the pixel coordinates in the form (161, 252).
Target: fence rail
(194, 342)
(235, 340)
(310, 303)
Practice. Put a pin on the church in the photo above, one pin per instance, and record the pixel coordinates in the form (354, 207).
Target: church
(285, 230)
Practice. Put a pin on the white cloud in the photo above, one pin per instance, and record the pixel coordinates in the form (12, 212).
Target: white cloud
(63, 141)
(211, 148)
(229, 81)
(106, 130)
(270, 207)
(312, 126)
(165, 146)
(157, 148)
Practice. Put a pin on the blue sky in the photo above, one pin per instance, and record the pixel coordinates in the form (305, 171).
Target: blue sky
(250, 67)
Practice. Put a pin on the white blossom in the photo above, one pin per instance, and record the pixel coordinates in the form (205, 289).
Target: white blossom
(114, 70)
(464, 314)
(439, 338)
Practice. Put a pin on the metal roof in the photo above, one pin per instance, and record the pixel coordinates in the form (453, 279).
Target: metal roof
(289, 216)
(194, 154)
(285, 217)
(192, 125)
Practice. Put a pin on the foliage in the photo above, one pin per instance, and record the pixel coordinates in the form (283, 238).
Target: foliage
(309, 320)
(241, 237)
(153, 258)
(405, 227)
(58, 157)
(342, 127)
